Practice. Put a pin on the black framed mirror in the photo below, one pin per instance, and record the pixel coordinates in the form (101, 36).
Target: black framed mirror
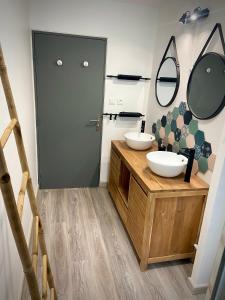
(168, 77)
(206, 84)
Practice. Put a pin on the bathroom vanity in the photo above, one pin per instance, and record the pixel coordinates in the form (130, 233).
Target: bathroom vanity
(162, 216)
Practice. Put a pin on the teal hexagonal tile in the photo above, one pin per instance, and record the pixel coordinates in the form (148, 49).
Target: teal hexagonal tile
(182, 108)
(167, 129)
(193, 126)
(175, 113)
(199, 137)
(197, 152)
(183, 143)
(203, 164)
(173, 125)
(158, 125)
(157, 137)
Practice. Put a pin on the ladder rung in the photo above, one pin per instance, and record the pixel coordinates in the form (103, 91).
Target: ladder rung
(22, 191)
(35, 243)
(7, 132)
(35, 262)
(44, 277)
(52, 294)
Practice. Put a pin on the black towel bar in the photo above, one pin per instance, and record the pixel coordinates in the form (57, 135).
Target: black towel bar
(128, 77)
(124, 114)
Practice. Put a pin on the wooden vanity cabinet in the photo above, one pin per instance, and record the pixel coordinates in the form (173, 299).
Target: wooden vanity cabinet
(162, 215)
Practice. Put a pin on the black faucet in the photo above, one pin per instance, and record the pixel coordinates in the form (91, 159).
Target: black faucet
(143, 126)
(190, 154)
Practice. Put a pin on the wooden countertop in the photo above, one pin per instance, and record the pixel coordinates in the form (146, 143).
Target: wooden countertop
(137, 162)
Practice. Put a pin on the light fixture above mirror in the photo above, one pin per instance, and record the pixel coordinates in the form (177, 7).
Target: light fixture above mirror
(198, 13)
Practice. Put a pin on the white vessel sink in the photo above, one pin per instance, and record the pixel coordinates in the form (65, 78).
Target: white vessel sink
(139, 141)
(166, 164)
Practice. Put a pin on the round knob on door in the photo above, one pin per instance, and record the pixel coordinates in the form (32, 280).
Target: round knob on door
(85, 64)
(59, 62)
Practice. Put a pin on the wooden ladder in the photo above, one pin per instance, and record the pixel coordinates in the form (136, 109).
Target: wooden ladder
(15, 210)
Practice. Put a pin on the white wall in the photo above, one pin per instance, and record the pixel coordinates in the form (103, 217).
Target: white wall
(130, 29)
(15, 41)
(190, 40)
(213, 222)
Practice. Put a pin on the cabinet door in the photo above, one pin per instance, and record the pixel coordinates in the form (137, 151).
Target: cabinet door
(175, 227)
(137, 203)
(113, 186)
(114, 167)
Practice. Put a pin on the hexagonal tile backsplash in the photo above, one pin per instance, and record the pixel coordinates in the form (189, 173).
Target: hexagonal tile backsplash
(178, 129)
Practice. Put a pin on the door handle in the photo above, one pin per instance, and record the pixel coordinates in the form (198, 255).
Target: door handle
(97, 123)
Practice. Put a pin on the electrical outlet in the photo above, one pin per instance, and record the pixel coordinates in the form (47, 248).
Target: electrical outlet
(112, 101)
(120, 102)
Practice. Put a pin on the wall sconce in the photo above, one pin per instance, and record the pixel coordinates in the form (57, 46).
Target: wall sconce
(198, 13)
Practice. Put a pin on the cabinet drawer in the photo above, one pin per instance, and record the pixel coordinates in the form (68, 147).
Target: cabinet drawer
(121, 207)
(137, 203)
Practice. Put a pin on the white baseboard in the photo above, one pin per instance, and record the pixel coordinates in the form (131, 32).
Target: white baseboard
(197, 289)
(103, 184)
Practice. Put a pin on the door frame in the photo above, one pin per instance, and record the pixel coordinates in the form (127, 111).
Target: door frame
(33, 32)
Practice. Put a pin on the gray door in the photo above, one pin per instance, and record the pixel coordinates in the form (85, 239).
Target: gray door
(69, 83)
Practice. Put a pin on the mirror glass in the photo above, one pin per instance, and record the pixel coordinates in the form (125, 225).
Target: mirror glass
(167, 81)
(206, 86)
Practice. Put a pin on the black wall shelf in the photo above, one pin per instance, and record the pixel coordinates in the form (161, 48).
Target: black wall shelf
(128, 77)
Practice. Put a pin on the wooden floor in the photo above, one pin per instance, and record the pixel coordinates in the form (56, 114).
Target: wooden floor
(91, 255)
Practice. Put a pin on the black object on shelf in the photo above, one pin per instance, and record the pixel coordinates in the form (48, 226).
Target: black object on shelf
(124, 114)
(130, 114)
(167, 79)
(128, 77)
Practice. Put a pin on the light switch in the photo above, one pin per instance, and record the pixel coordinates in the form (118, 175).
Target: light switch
(120, 102)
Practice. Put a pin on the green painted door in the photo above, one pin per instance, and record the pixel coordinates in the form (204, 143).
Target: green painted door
(69, 85)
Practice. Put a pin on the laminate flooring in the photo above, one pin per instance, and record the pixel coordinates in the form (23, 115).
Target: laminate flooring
(92, 257)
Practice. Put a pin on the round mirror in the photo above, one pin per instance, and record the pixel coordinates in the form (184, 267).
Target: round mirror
(206, 86)
(167, 81)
